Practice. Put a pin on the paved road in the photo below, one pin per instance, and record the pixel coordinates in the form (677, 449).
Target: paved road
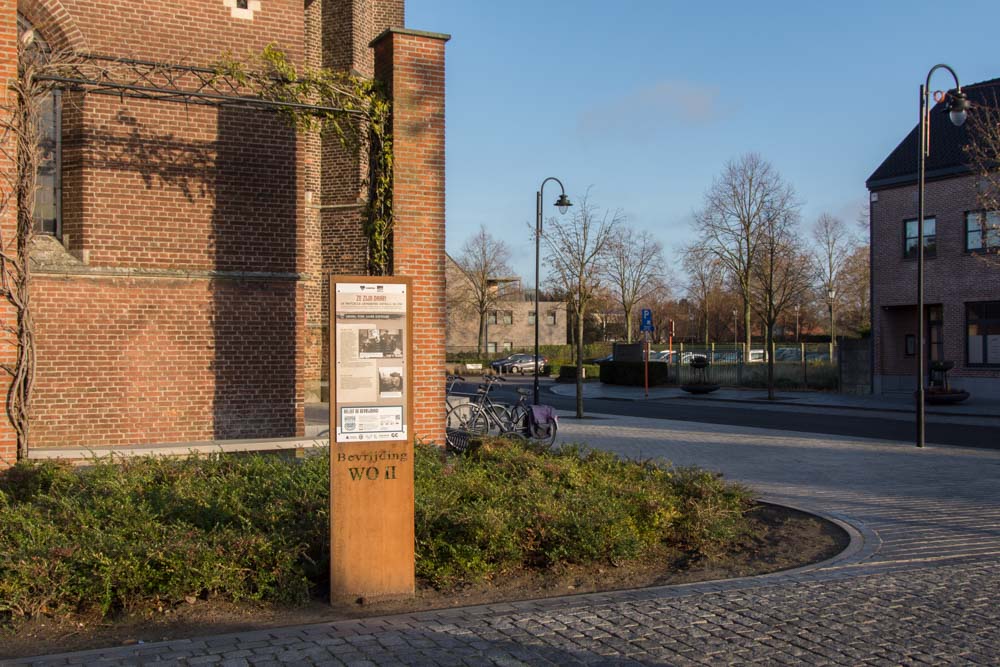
(919, 585)
(796, 412)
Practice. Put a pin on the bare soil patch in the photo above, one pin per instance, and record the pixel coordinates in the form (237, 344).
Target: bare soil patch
(782, 539)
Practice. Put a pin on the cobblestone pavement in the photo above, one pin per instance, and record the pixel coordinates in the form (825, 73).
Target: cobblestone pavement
(920, 584)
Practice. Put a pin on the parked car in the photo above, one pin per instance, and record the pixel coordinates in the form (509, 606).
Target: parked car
(602, 360)
(519, 363)
(725, 357)
(787, 354)
(688, 357)
(663, 356)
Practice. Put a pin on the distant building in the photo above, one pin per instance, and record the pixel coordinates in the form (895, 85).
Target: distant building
(510, 326)
(962, 291)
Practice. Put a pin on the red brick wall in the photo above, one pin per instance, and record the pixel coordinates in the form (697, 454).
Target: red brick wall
(8, 70)
(413, 66)
(194, 32)
(952, 277)
(176, 313)
(131, 360)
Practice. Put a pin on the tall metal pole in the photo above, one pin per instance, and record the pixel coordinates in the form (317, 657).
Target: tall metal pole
(920, 261)
(922, 153)
(563, 203)
(538, 240)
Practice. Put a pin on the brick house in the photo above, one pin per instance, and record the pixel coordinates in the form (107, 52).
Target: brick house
(510, 326)
(961, 287)
(181, 274)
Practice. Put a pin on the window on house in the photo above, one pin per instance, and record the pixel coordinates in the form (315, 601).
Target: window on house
(491, 317)
(531, 317)
(982, 333)
(491, 348)
(982, 230)
(242, 4)
(508, 317)
(508, 346)
(935, 333)
(551, 318)
(910, 238)
(910, 345)
(47, 212)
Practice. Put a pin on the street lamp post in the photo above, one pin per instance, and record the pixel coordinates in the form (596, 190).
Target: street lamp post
(562, 203)
(798, 307)
(831, 294)
(736, 336)
(958, 105)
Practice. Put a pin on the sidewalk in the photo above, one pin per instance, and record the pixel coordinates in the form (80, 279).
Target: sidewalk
(984, 408)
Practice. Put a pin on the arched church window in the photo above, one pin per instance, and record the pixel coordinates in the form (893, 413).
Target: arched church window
(48, 181)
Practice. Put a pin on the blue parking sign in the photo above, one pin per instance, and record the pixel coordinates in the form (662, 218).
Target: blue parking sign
(647, 320)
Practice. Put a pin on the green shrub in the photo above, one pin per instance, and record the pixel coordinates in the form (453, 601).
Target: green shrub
(508, 506)
(122, 536)
(143, 533)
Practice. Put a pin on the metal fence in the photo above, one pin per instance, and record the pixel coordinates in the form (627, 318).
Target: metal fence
(843, 366)
(796, 366)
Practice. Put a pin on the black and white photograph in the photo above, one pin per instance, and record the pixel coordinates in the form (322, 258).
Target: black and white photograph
(390, 382)
(380, 343)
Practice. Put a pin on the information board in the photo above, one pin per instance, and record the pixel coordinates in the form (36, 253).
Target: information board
(370, 364)
(371, 444)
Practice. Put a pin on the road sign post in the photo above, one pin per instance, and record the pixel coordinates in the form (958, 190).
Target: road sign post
(646, 327)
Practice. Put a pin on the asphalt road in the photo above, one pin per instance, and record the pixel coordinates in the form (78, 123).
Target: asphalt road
(791, 418)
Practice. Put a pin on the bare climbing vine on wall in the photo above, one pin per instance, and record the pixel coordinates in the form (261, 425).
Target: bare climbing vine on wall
(20, 145)
(355, 109)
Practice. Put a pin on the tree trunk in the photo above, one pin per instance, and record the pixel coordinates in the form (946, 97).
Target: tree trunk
(769, 338)
(746, 329)
(482, 333)
(628, 325)
(572, 330)
(579, 366)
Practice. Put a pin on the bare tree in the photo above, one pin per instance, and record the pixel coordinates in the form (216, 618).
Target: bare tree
(833, 246)
(781, 275)
(704, 271)
(484, 260)
(633, 266)
(577, 247)
(983, 152)
(854, 292)
(749, 195)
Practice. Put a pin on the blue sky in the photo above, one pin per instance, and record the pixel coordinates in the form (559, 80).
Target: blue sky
(645, 101)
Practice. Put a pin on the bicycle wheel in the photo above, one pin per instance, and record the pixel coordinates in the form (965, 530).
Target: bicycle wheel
(544, 434)
(464, 424)
(517, 420)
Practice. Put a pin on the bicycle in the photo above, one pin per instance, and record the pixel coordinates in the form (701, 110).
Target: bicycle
(471, 421)
(536, 423)
(479, 417)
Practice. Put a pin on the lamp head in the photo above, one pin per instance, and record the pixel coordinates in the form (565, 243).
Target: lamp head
(832, 293)
(563, 203)
(958, 106)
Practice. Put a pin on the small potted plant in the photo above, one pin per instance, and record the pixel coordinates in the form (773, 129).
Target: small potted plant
(938, 392)
(700, 383)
